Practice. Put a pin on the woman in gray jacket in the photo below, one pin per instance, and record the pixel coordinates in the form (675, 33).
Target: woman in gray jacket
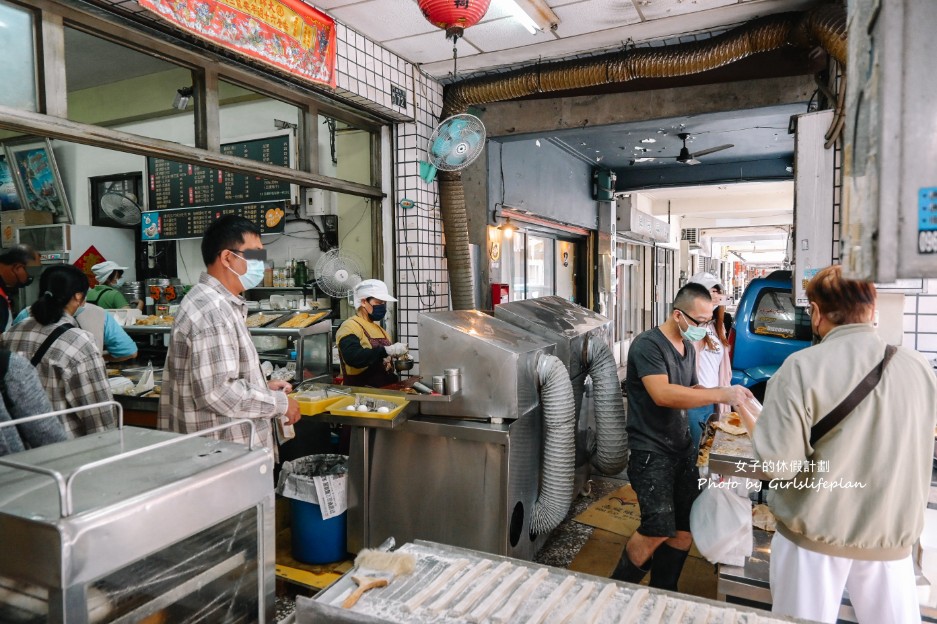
(23, 396)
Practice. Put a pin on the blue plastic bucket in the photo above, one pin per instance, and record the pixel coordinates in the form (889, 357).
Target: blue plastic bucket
(315, 540)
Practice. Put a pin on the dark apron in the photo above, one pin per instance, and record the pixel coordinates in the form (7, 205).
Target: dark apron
(374, 376)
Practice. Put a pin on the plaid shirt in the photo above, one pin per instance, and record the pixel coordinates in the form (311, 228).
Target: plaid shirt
(72, 372)
(212, 372)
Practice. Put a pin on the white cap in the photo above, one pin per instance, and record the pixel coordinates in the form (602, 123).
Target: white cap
(103, 270)
(707, 280)
(372, 288)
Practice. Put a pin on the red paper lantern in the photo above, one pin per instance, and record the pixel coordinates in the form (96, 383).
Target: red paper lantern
(454, 15)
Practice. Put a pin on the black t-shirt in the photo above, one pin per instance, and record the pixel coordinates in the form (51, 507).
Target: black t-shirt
(652, 427)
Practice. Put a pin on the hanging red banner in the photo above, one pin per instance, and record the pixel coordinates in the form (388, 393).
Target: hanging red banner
(287, 34)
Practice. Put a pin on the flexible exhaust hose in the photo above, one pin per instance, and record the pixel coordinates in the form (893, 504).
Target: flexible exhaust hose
(455, 225)
(611, 444)
(824, 26)
(559, 446)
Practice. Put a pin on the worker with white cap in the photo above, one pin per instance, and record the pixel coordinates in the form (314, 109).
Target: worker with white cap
(364, 347)
(110, 278)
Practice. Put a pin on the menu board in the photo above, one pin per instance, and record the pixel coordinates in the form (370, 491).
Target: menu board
(160, 225)
(172, 185)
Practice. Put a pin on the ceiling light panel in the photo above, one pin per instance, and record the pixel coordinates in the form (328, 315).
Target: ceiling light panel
(502, 34)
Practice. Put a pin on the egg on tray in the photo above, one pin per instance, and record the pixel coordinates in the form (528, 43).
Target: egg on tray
(363, 408)
(382, 410)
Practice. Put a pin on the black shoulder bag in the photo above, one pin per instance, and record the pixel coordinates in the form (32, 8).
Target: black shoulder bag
(868, 383)
(49, 341)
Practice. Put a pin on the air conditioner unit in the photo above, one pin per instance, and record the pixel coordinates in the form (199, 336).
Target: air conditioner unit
(691, 235)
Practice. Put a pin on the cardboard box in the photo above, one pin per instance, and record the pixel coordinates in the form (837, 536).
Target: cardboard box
(26, 217)
(11, 220)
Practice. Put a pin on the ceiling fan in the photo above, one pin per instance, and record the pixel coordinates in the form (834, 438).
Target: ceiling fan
(687, 158)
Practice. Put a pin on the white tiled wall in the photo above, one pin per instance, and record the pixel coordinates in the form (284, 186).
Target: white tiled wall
(920, 321)
(422, 278)
(365, 74)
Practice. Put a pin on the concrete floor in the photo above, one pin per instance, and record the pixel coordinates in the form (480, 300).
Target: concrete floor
(585, 549)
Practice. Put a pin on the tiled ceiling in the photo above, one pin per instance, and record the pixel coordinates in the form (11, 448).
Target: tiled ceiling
(585, 26)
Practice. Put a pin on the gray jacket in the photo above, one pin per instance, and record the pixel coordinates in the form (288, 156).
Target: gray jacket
(24, 396)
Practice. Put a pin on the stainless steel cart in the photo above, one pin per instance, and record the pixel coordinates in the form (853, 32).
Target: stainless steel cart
(133, 524)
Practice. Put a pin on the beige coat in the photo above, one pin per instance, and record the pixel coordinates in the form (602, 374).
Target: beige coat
(864, 491)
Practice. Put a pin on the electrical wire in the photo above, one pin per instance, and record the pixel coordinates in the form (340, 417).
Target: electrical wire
(367, 209)
(430, 301)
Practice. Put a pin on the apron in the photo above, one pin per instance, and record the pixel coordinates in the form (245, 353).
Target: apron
(374, 376)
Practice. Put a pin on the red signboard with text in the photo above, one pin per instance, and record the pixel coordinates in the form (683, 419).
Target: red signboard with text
(287, 34)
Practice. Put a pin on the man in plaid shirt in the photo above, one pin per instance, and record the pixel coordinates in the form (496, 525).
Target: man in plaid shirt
(212, 372)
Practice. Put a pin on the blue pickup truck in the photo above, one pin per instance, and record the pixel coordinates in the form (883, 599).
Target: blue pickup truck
(768, 327)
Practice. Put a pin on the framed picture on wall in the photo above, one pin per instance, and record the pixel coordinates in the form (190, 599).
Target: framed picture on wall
(9, 199)
(116, 199)
(37, 179)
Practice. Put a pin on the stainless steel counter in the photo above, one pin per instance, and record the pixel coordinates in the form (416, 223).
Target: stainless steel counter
(490, 588)
(456, 481)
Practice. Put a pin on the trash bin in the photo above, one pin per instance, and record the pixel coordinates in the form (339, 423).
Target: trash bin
(318, 506)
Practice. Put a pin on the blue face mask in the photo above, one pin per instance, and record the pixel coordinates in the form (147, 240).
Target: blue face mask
(378, 312)
(254, 274)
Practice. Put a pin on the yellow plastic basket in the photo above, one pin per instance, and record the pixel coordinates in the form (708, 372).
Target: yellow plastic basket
(314, 407)
(343, 406)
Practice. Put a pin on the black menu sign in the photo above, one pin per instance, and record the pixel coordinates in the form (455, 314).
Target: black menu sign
(179, 223)
(172, 185)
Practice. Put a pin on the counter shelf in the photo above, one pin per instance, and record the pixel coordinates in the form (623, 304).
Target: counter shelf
(311, 356)
(733, 455)
(139, 523)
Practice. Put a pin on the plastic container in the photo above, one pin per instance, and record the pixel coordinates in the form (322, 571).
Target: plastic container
(314, 540)
(310, 483)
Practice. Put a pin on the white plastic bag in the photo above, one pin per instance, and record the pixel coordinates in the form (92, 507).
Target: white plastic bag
(721, 524)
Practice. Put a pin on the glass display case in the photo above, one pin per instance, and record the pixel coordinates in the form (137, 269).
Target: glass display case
(134, 525)
(309, 347)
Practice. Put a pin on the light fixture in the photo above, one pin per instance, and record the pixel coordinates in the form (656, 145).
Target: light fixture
(507, 229)
(181, 100)
(534, 15)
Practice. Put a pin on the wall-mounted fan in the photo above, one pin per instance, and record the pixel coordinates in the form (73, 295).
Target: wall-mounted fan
(337, 273)
(121, 206)
(455, 143)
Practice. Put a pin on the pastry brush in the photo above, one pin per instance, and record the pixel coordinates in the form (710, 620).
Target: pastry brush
(381, 567)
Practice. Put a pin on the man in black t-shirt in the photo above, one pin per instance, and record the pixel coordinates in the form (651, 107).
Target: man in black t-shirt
(661, 383)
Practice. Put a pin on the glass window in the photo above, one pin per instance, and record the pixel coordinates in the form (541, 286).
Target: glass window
(17, 48)
(345, 151)
(518, 266)
(776, 315)
(540, 269)
(245, 114)
(113, 85)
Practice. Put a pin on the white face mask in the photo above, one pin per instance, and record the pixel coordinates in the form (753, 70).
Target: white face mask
(120, 282)
(254, 274)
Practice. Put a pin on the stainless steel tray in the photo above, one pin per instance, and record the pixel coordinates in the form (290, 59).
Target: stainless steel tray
(449, 603)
